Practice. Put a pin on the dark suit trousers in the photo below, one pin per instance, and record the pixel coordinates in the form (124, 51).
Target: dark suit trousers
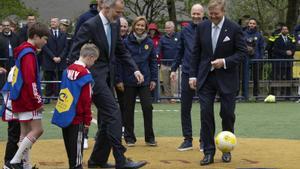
(110, 132)
(120, 97)
(51, 88)
(206, 97)
(13, 132)
(145, 96)
(187, 95)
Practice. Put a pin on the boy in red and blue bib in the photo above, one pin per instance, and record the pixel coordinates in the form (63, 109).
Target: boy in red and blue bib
(73, 109)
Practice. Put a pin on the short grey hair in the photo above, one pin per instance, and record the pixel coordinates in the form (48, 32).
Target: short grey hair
(89, 50)
(111, 3)
(170, 23)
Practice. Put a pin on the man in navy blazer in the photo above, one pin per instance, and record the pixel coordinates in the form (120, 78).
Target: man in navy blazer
(54, 57)
(103, 31)
(219, 48)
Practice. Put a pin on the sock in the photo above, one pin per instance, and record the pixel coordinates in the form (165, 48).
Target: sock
(26, 159)
(20, 140)
(24, 146)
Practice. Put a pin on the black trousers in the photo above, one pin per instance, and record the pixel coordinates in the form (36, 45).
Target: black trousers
(13, 132)
(120, 97)
(206, 97)
(256, 75)
(130, 94)
(110, 131)
(187, 95)
(51, 88)
(73, 139)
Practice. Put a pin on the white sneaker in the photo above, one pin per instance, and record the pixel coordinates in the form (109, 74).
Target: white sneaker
(27, 166)
(85, 144)
(5, 167)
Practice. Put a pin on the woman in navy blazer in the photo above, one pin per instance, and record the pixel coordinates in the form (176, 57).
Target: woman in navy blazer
(142, 51)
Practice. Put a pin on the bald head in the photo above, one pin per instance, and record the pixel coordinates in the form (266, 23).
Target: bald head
(197, 13)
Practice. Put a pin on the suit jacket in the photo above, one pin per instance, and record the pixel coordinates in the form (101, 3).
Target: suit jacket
(55, 47)
(23, 34)
(93, 31)
(279, 51)
(230, 45)
(280, 47)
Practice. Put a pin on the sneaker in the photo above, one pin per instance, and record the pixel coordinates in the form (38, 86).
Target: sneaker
(298, 101)
(5, 167)
(85, 144)
(151, 143)
(201, 147)
(14, 166)
(130, 144)
(185, 146)
(27, 166)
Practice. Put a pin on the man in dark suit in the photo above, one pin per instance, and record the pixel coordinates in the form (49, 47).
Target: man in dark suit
(54, 57)
(219, 48)
(31, 19)
(284, 48)
(103, 30)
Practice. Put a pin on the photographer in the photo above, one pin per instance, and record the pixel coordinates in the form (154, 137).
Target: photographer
(255, 46)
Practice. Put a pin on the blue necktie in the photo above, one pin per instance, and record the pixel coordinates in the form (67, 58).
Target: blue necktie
(215, 37)
(10, 50)
(108, 36)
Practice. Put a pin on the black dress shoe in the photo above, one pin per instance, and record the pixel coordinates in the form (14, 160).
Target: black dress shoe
(226, 157)
(105, 165)
(208, 159)
(132, 165)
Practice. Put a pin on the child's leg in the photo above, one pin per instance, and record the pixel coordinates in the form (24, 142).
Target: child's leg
(73, 138)
(26, 155)
(86, 137)
(35, 131)
(13, 132)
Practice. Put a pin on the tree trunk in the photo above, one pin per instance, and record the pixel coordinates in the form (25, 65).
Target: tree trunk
(292, 13)
(172, 11)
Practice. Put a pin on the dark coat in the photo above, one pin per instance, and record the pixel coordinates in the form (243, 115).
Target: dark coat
(5, 40)
(144, 56)
(233, 50)
(168, 47)
(185, 47)
(256, 40)
(55, 47)
(23, 34)
(93, 31)
(84, 17)
(280, 48)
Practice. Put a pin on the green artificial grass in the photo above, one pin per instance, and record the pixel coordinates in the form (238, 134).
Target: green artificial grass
(253, 120)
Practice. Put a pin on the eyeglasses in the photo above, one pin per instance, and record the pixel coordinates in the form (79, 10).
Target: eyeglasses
(5, 25)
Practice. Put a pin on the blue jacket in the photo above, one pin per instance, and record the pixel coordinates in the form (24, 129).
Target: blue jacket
(84, 17)
(255, 39)
(185, 48)
(144, 56)
(168, 47)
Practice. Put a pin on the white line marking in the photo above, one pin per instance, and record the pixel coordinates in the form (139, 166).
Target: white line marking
(95, 121)
(159, 111)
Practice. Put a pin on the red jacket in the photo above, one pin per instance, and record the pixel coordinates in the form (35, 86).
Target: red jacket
(83, 109)
(29, 99)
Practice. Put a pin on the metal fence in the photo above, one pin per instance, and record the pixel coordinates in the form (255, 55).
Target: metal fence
(279, 77)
